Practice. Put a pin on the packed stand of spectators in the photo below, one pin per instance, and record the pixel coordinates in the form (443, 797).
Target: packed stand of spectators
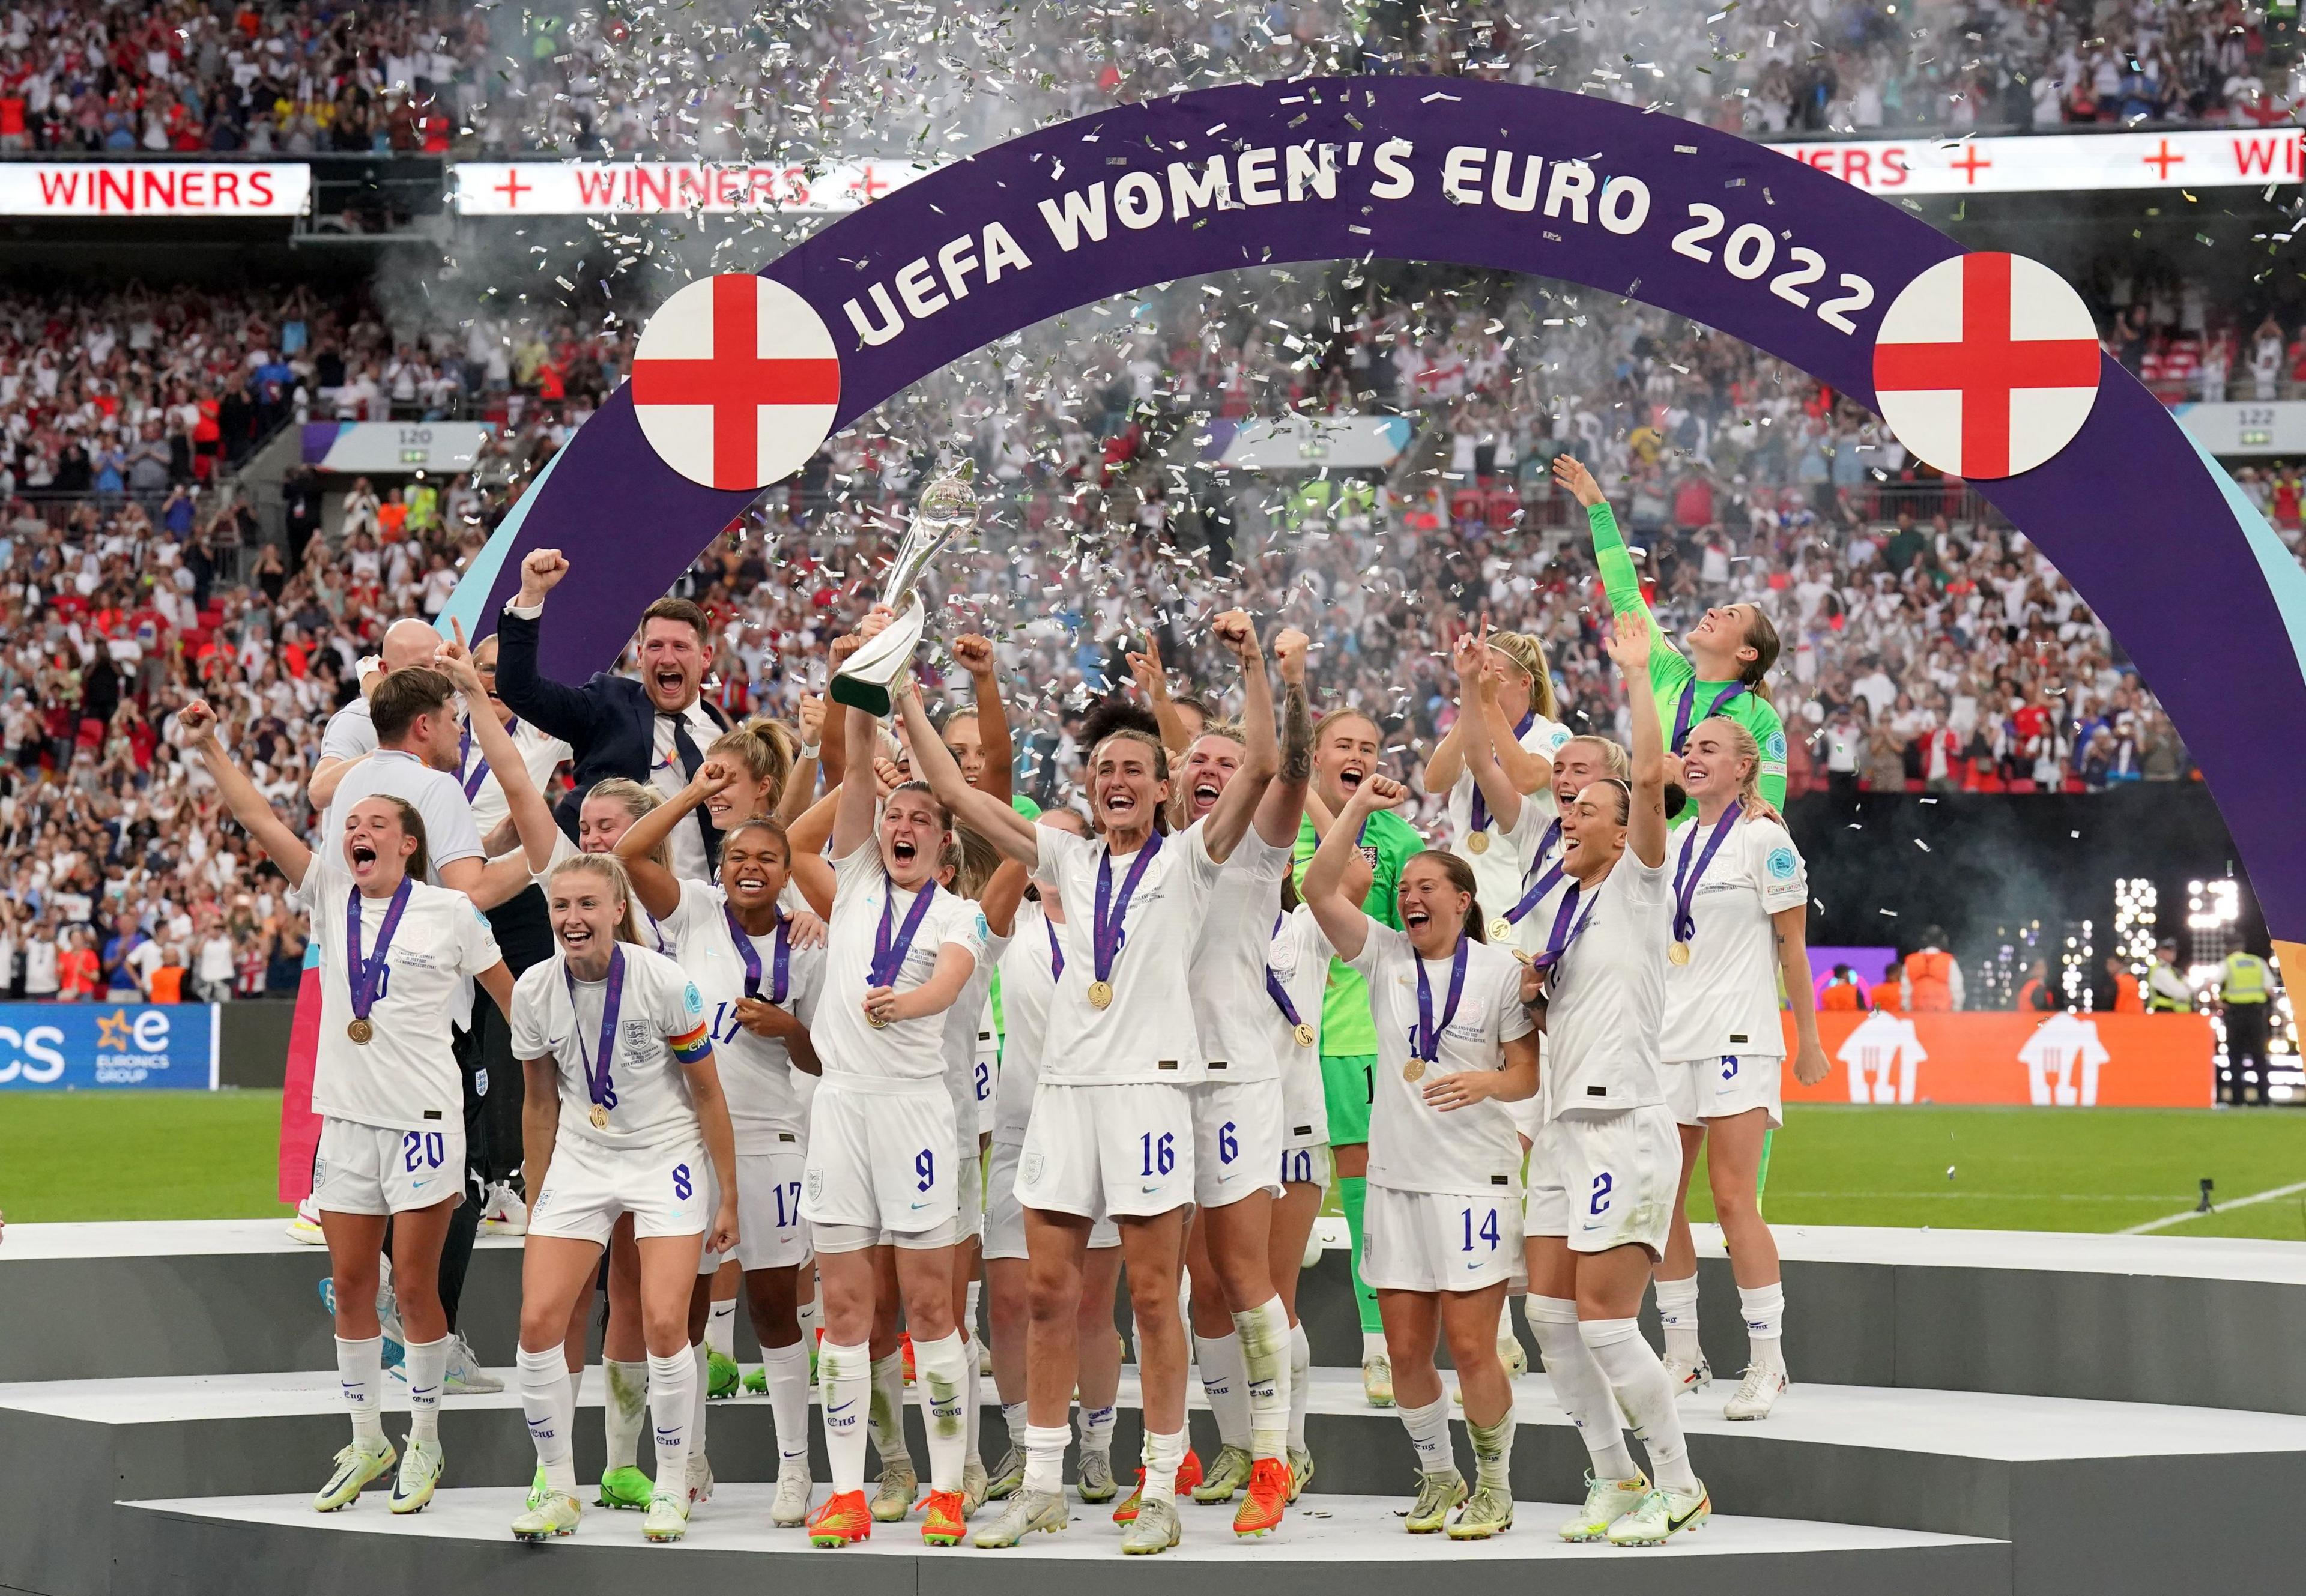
(319, 76)
(1926, 647)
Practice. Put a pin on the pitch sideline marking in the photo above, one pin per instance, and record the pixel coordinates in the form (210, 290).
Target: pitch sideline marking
(2240, 1202)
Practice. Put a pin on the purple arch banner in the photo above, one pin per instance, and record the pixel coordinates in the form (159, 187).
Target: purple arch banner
(2147, 528)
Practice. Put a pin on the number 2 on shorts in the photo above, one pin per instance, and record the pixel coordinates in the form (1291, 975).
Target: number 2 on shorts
(1599, 1204)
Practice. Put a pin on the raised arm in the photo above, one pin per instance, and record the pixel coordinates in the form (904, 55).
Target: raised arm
(800, 783)
(327, 775)
(1261, 759)
(832, 758)
(1446, 762)
(1630, 640)
(1524, 771)
(1014, 835)
(975, 655)
(1003, 891)
(566, 713)
(1620, 581)
(1153, 681)
(853, 808)
(197, 726)
(1325, 888)
(531, 815)
(1476, 729)
(1284, 803)
(657, 888)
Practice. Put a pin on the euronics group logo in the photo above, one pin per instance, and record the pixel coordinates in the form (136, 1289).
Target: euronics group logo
(60, 1046)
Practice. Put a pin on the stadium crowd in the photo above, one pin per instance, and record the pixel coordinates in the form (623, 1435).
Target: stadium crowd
(316, 76)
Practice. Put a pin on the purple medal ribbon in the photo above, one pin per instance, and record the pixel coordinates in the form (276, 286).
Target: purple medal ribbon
(473, 778)
(751, 954)
(1056, 953)
(1480, 822)
(1112, 909)
(1544, 883)
(1280, 996)
(888, 954)
(1558, 940)
(361, 973)
(597, 1084)
(1425, 1041)
(1689, 701)
(1684, 890)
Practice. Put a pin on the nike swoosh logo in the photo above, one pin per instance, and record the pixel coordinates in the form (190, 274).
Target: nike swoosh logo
(920, 1205)
(1148, 1191)
(1674, 1524)
(416, 1391)
(843, 1408)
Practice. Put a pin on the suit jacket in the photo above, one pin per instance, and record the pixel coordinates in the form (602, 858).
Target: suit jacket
(609, 723)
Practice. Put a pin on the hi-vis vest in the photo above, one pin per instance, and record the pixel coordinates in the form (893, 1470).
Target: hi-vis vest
(2244, 981)
(1931, 974)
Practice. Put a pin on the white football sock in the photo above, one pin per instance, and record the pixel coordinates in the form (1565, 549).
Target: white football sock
(1765, 1308)
(359, 1374)
(700, 1355)
(972, 1380)
(1677, 1301)
(621, 1409)
(428, 1366)
(1429, 1433)
(1013, 1420)
(787, 1368)
(721, 1328)
(1163, 1455)
(810, 1316)
(575, 1385)
(1262, 1334)
(1505, 1319)
(1638, 1378)
(1225, 1379)
(1301, 1384)
(1579, 1386)
(886, 1419)
(1493, 1453)
(1373, 1345)
(1045, 1455)
(1097, 1425)
(544, 1402)
(673, 1411)
(844, 1376)
(941, 1376)
(974, 1295)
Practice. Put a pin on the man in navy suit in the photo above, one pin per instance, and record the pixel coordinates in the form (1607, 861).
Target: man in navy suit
(654, 730)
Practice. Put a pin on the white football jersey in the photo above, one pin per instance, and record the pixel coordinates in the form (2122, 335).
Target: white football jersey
(1028, 979)
(1498, 867)
(909, 1050)
(541, 751)
(1298, 956)
(1412, 1146)
(756, 1072)
(968, 1032)
(1230, 1005)
(1724, 1001)
(1606, 1006)
(1536, 842)
(406, 1076)
(1147, 1033)
(659, 1008)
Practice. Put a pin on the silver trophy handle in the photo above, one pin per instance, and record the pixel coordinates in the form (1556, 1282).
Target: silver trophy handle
(947, 508)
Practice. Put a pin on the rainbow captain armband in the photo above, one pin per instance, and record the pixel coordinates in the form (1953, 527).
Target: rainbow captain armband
(692, 1047)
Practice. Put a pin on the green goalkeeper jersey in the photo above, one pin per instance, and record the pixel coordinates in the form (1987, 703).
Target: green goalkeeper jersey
(1388, 842)
(1673, 678)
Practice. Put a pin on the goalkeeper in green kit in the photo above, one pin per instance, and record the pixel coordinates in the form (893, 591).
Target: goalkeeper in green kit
(1731, 649)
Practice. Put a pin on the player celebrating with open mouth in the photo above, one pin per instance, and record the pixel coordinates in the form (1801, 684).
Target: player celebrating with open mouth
(394, 952)
(1740, 913)
(1112, 1125)
(761, 993)
(1602, 1174)
(624, 1115)
(1240, 1323)
(1455, 1045)
(883, 1159)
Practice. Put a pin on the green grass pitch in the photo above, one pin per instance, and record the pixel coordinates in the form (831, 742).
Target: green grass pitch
(206, 1155)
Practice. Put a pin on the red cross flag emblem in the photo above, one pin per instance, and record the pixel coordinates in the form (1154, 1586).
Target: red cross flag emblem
(735, 381)
(1987, 365)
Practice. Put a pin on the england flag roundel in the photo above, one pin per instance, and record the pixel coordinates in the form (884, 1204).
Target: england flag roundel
(1987, 365)
(735, 381)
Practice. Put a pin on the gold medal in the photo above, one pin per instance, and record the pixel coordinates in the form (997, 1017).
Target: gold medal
(360, 1031)
(1304, 1034)
(1100, 994)
(600, 1117)
(1415, 1070)
(876, 1020)
(1479, 842)
(1678, 952)
(1501, 931)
